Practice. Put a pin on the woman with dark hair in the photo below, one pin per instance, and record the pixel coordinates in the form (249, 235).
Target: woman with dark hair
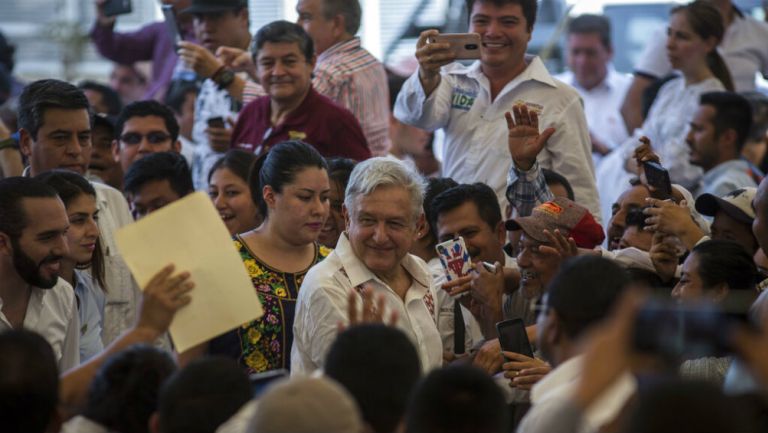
(339, 170)
(85, 252)
(230, 193)
(290, 186)
(713, 271)
(695, 29)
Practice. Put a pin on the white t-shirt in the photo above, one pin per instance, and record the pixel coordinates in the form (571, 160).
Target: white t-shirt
(52, 313)
(744, 50)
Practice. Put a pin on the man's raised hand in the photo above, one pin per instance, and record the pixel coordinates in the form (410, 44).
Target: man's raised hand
(524, 140)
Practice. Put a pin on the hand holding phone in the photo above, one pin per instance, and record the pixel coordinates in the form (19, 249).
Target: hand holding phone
(658, 180)
(513, 338)
(172, 25)
(464, 46)
(455, 258)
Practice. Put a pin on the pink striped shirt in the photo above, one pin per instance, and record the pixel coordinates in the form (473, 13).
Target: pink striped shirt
(349, 75)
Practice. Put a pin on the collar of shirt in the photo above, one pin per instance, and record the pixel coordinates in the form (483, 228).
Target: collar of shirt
(608, 82)
(535, 71)
(339, 48)
(724, 167)
(359, 274)
(297, 117)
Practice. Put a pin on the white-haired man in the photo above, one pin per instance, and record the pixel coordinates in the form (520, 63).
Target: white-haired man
(383, 213)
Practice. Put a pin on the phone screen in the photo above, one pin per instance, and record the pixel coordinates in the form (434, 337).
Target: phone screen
(117, 7)
(512, 337)
(658, 177)
(216, 122)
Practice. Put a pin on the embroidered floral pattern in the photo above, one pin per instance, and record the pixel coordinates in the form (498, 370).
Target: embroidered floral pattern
(265, 343)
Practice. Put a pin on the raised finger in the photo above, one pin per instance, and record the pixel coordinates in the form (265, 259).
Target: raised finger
(352, 306)
(381, 302)
(534, 119)
(424, 36)
(516, 110)
(525, 116)
(510, 120)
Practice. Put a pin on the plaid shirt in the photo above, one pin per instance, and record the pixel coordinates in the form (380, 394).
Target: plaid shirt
(350, 76)
(526, 189)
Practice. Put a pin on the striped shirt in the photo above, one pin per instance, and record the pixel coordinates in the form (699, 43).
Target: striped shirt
(350, 76)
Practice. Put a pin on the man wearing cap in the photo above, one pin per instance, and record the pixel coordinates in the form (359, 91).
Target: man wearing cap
(217, 23)
(103, 167)
(732, 214)
(718, 131)
(554, 231)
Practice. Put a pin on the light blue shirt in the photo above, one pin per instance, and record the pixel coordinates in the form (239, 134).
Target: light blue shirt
(90, 306)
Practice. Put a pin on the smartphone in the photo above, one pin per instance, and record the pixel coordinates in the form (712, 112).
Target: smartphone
(216, 122)
(658, 177)
(463, 45)
(171, 24)
(261, 381)
(117, 7)
(680, 332)
(454, 257)
(513, 338)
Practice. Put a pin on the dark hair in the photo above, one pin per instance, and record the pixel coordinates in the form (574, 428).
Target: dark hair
(759, 104)
(108, 95)
(177, 94)
(29, 382)
(41, 95)
(279, 167)
(202, 396)
(529, 8)
(723, 261)
(145, 109)
(457, 399)
(551, 177)
(732, 111)
(169, 166)
(349, 9)
(13, 219)
(69, 186)
(283, 32)
(379, 366)
(478, 193)
(237, 161)
(435, 187)
(590, 23)
(584, 290)
(124, 392)
(707, 22)
(339, 170)
(636, 218)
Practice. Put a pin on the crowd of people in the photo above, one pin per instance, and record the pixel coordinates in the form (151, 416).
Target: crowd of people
(619, 223)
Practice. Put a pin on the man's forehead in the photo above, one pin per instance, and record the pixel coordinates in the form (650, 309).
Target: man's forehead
(279, 49)
(142, 122)
(66, 119)
(44, 213)
(489, 8)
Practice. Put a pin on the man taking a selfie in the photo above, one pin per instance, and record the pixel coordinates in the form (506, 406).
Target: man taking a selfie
(469, 102)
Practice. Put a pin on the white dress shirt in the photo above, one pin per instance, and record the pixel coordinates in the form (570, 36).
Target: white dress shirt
(560, 384)
(666, 126)
(52, 313)
(744, 50)
(602, 105)
(475, 147)
(322, 305)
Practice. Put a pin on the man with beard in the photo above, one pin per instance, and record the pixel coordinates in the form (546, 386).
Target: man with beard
(33, 226)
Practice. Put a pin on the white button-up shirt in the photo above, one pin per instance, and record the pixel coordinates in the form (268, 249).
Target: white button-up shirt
(744, 50)
(322, 305)
(476, 131)
(602, 105)
(52, 313)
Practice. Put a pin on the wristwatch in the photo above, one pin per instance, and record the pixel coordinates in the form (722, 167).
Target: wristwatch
(223, 78)
(8, 142)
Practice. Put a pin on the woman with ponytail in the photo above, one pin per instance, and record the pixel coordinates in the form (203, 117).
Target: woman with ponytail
(290, 187)
(694, 31)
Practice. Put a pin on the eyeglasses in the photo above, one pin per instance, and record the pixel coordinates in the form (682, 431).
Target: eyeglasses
(153, 138)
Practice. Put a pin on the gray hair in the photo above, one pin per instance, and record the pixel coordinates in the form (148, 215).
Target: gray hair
(385, 171)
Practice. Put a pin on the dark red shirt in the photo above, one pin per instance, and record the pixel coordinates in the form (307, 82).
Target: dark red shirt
(332, 129)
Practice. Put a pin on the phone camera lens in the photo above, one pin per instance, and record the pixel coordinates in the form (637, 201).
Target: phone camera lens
(471, 46)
